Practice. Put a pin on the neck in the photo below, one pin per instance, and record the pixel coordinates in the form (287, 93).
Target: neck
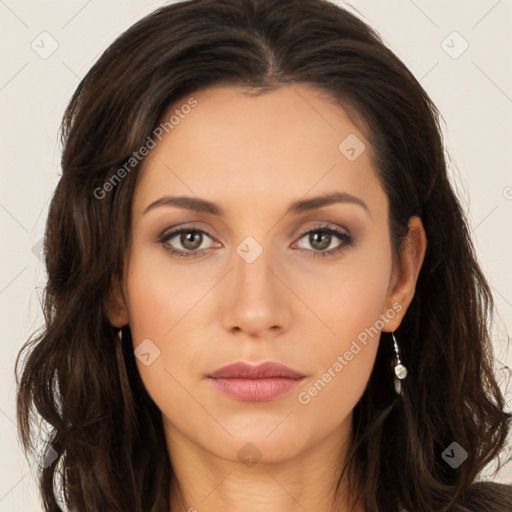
(206, 482)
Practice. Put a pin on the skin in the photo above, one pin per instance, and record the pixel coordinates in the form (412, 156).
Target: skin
(254, 156)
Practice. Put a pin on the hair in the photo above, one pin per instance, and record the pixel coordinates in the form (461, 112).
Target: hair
(105, 446)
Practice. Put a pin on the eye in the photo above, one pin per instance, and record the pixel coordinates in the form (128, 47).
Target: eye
(321, 238)
(190, 239)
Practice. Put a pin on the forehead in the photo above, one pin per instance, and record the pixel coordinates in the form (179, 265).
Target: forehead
(282, 143)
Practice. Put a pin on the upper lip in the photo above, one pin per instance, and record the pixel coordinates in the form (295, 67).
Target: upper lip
(247, 371)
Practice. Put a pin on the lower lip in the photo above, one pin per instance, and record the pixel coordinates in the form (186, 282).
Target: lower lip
(255, 390)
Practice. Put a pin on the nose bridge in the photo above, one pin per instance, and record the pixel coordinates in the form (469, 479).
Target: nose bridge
(251, 269)
(255, 301)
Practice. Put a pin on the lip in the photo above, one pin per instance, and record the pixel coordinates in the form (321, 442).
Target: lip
(243, 370)
(258, 383)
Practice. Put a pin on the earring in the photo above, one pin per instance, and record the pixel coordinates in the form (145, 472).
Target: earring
(120, 334)
(399, 369)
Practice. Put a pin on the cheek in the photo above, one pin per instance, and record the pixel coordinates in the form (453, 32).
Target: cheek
(154, 308)
(352, 304)
(166, 310)
(350, 297)
(159, 295)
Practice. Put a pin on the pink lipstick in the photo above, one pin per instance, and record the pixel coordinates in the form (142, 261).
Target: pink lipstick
(258, 383)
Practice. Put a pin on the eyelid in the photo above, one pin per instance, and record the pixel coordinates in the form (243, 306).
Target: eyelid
(323, 226)
(171, 233)
(343, 235)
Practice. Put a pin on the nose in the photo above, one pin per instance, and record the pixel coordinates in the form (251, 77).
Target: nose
(257, 300)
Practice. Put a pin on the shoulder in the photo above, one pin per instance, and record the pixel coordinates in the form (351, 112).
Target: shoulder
(487, 496)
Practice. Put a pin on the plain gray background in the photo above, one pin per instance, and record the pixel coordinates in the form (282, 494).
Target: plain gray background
(461, 51)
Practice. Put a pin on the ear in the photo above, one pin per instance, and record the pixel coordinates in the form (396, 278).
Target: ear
(115, 305)
(402, 284)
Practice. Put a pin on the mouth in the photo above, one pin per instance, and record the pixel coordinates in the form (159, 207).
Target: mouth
(250, 383)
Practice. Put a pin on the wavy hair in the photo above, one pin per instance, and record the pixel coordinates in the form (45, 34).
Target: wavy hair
(104, 444)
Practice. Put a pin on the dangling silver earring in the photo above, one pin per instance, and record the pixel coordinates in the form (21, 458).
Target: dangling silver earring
(399, 369)
(120, 334)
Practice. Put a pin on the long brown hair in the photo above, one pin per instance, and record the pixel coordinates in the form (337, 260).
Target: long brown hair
(104, 441)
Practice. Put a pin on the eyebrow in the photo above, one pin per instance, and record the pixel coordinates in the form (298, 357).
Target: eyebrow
(202, 205)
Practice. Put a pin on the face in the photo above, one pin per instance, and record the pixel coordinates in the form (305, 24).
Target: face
(267, 271)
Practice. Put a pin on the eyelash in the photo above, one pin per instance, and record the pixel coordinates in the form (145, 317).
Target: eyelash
(347, 240)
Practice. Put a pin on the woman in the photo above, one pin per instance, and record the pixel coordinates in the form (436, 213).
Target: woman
(262, 292)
